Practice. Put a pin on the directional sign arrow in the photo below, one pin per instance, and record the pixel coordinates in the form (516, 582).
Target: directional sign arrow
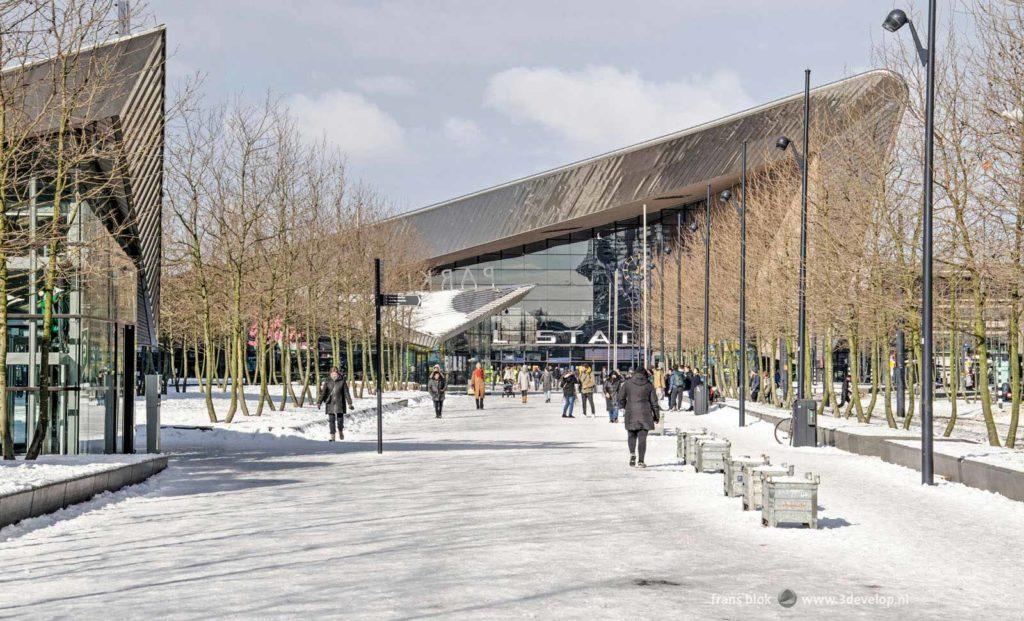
(396, 299)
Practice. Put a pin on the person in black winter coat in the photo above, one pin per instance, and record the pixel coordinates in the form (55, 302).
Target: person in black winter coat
(334, 392)
(569, 384)
(639, 402)
(845, 393)
(611, 395)
(436, 386)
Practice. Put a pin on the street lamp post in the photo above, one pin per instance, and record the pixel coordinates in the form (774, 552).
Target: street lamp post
(707, 284)
(615, 319)
(661, 251)
(893, 22)
(679, 287)
(643, 311)
(801, 326)
(742, 212)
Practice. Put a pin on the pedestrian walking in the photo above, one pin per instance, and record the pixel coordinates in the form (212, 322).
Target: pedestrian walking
(524, 379)
(639, 402)
(659, 380)
(845, 393)
(587, 387)
(547, 383)
(688, 385)
(611, 395)
(436, 386)
(755, 385)
(335, 395)
(479, 386)
(568, 384)
(676, 382)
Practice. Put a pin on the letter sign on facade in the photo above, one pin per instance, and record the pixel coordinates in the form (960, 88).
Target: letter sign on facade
(546, 337)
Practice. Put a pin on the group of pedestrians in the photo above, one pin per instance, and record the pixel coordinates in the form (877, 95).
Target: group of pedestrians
(634, 396)
(682, 381)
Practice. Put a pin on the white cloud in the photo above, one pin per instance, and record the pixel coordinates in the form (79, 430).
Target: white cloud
(386, 85)
(349, 121)
(463, 132)
(603, 107)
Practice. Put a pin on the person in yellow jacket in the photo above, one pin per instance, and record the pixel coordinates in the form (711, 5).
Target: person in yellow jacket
(659, 380)
(587, 387)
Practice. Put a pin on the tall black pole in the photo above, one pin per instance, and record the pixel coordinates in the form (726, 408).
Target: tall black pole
(661, 285)
(801, 330)
(927, 383)
(707, 284)
(900, 374)
(679, 287)
(743, 289)
(379, 358)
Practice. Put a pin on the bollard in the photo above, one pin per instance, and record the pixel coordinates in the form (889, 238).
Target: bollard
(711, 454)
(152, 413)
(790, 500)
(681, 441)
(659, 427)
(753, 481)
(733, 481)
(690, 446)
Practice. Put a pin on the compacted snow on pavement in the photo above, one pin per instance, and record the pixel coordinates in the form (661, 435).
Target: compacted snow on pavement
(508, 512)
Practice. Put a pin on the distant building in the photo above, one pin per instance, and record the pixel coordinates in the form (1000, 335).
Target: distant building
(568, 230)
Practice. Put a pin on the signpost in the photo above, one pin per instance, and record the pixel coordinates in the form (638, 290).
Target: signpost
(380, 300)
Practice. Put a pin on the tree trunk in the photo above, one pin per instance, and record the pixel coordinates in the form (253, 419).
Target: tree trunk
(954, 370)
(875, 369)
(981, 384)
(6, 433)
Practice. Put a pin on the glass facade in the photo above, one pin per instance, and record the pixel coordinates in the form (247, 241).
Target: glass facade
(569, 314)
(94, 302)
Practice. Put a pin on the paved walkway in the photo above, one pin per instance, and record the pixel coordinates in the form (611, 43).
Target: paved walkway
(510, 512)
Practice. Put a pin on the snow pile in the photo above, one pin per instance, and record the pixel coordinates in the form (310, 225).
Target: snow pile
(189, 409)
(20, 475)
(185, 425)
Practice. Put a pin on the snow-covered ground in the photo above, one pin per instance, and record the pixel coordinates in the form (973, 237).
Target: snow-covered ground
(189, 409)
(19, 475)
(970, 420)
(510, 512)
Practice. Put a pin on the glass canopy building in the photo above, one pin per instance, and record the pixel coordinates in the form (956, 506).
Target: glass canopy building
(107, 292)
(566, 231)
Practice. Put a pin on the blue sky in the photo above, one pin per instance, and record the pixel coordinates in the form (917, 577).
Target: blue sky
(431, 99)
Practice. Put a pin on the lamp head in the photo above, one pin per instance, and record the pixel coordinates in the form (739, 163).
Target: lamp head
(782, 143)
(725, 196)
(895, 20)
(693, 227)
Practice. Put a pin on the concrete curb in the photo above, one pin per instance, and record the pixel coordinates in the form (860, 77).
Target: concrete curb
(898, 447)
(51, 497)
(388, 407)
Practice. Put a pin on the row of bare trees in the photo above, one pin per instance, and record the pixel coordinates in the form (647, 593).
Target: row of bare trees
(864, 239)
(268, 252)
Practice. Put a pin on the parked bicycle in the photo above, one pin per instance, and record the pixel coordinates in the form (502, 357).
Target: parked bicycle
(783, 431)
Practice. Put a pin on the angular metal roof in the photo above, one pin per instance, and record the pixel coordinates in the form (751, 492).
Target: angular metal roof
(442, 315)
(128, 75)
(665, 172)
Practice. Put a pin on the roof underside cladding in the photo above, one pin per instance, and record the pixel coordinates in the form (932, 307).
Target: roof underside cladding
(120, 84)
(666, 172)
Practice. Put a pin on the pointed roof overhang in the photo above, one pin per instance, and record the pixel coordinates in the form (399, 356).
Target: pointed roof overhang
(663, 173)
